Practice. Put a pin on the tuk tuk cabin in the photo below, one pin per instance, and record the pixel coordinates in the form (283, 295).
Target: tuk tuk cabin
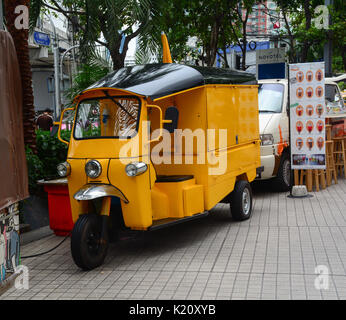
(109, 119)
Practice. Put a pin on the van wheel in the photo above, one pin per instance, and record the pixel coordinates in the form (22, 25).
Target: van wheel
(241, 201)
(87, 248)
(283, 178)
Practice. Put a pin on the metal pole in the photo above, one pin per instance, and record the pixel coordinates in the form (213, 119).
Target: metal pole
(56, 69)
(1, 17)
(289, 126)
(62, 59)
(328, 47)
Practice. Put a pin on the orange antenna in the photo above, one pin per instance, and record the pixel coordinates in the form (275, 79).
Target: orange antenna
(166, 52)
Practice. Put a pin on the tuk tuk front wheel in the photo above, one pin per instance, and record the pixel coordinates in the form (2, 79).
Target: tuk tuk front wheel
(241, 201)
(89, 241)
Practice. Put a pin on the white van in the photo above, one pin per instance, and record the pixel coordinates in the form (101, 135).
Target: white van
(274, 128)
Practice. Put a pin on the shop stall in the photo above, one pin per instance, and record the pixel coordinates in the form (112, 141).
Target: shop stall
(13, 169)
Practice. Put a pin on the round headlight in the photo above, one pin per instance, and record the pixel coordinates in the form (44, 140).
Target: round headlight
(135, 169)
(64, 169)
(93, 169)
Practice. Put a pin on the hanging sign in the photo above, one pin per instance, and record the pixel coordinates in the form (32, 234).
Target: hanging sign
(307, 115)
(41, 39)
(271, 63)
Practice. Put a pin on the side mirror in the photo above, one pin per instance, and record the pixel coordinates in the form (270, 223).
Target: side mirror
(60, 125)
(171, 114)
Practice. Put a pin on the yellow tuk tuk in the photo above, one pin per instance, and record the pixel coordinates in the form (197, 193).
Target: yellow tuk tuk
(159, 144)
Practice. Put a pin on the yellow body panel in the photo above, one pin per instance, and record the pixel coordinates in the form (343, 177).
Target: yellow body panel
(76, 180)
(193, 200)
(234, 108)
(174, 192)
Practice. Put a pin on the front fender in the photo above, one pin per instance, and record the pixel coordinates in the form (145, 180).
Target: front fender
(95, 191)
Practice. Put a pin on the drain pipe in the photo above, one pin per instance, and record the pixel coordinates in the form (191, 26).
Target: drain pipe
(56, 69)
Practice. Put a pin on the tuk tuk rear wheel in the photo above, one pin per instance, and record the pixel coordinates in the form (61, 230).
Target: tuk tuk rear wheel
(241, 201)
(88, 245)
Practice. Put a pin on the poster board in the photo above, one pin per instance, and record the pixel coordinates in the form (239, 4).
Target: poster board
(307, 115)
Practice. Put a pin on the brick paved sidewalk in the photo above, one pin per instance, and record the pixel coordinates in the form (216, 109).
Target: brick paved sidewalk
(271, 256)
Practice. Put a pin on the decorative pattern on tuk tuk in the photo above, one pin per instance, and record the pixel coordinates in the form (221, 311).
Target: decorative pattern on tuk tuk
(9, 241)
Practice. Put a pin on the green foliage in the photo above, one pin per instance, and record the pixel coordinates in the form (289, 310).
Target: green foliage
(35, 169)
(111, 18)
(215, 24)
(308, 40)
(50, 152)
(88, 74)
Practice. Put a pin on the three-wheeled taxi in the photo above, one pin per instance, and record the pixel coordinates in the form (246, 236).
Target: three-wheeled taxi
(158, 144)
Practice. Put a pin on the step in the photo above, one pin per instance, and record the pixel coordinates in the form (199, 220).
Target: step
(163, 223)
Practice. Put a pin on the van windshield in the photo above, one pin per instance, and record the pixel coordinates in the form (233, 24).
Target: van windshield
(110, 117)
(270, 97)
(332, 97)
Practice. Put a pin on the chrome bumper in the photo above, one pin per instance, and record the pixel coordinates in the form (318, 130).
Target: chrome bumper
(95, 191)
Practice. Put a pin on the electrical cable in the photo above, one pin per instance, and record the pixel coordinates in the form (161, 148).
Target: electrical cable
(50, 250)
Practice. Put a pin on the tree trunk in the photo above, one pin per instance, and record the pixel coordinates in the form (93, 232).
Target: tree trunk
(117, 59)
(306, 43)
(20, 38)
(292, 52)
(343, 55)
(224, 56)
(213, 44)
(243, 48)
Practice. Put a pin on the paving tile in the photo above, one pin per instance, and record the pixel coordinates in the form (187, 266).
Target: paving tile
(273, 255)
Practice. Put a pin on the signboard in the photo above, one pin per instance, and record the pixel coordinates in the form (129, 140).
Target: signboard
(271, 63)
(41, 39)
(307, 115)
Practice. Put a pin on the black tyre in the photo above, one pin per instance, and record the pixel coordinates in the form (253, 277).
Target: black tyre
(241, 201)
(87, 248)
(282, 181)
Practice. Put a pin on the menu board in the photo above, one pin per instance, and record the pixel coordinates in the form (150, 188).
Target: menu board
(307, 115)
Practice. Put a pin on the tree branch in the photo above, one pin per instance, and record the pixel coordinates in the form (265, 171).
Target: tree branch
(59, 9)
(66, 14)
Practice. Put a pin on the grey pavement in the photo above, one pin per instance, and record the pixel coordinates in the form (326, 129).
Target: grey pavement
(277, 254)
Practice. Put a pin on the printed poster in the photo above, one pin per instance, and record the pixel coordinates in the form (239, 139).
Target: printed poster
(307, 115)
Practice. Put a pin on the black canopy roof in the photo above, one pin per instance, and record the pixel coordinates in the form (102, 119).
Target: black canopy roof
(159, 80)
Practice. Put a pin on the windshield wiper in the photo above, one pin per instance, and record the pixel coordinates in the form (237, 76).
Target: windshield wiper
(119, 104)
(267, 111)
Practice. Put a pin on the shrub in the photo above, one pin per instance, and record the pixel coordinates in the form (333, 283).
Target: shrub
(35, 169)
(50, 152)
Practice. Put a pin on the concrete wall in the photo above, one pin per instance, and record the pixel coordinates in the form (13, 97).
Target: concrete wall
(43, 92)
(42, 98)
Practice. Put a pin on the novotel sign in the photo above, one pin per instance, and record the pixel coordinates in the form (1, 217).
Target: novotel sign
(271, 63)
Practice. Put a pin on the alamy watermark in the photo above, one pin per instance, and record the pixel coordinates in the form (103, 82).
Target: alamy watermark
(22, 281)
(22, 20)
(322, 279)
(322, 19)
(182, 147)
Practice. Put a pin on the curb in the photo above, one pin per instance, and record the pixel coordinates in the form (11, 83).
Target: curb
(34, 235)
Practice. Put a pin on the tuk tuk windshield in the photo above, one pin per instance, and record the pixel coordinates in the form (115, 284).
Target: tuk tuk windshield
(110, 117)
